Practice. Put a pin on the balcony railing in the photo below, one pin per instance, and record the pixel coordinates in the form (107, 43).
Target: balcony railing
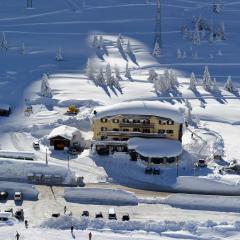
(133, 134)
(137, 125)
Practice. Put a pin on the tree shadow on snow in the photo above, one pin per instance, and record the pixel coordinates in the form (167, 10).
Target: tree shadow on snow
(124, 56)
(218, 96)
(133, 58)
(199, 96)
(100, 53)
(170, 96)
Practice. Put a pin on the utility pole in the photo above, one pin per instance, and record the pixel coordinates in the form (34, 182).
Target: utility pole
(158, 27)
(29, 3)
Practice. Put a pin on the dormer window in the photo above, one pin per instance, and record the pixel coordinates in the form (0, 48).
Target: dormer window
(170, 122)
(115, 120)
(104, 120)
(103, 129)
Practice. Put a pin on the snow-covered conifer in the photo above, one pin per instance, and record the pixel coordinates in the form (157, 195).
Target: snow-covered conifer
(184, 55)
(211, 37)
(23, 49)
(119, 41)
(215, 85)
(157, 50)
(128, 73)
(95, 41)
(101, 42)
(196, 37)
(207, 81)
(4, 43)
(129, 48)
(152, 75)
(45, 88)
(222, 31)
(117, 72)
(219, 53)
(173, 81)
(193, 82)
(100, 77)
(90, 70)
(108, 75)
(59, 55)
(229, 85)
(189, 110)
(179, 53)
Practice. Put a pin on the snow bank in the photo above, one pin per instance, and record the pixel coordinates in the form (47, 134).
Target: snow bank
(29, 192)
(17, 155)
(100, 196)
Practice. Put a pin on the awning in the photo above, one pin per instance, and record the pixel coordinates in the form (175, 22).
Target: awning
(155, 147)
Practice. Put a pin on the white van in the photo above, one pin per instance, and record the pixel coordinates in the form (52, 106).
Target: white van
(17, 196)
(112, 214)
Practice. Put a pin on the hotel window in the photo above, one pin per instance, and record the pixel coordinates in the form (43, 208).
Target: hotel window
(115, 120)
(162, 122)
(161, 131)
(104, 120)
(146, 130)
(136, 121)
(103, 129)
(136, 130)
(125, 130)
(170, 131)
(170, 122)
(116, 129)
(125, 120)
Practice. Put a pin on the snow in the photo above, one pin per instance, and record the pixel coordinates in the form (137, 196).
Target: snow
(64, 131)
(17, 155)
(4, 106)
(29, 192)
(100, 196)
(145, 108)
(155, 147)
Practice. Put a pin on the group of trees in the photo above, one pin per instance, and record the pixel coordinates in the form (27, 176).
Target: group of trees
(164, 82)
(127, 49)
(106, 76)
(210, 84)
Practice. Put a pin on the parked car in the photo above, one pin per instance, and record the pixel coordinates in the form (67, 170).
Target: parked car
(112, 214)
(85, 214)
(99, 215)
(36, 145)
(3, 195)
(201, 163)
(19, 214)
(156, 171)
(125, 217)
(56, 215)
(10, 210)
(73, 151)
(148, 170)
(18, 196)
(5, 216)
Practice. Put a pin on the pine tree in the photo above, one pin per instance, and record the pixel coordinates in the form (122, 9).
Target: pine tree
(222, 31)
(229, 85)
(108, 75)
(100, 77)
(193, 84)
(184, 55)
(207, 81)
(219, 53)
(152, 75)
(95, 42)
(179, 53)
(45, 88)
(215, 85)
(173, 81)
(101, 42)
(211, 37)
(23, 49)
(189, 110)
(129, 48)
(117, 72)
(128, 73)
(59, 55)
(157, 50)
(196, 37)
(119, 41)
(4, 43)
(90, 70)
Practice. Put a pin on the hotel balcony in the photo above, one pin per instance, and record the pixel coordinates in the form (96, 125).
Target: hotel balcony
(137, 125)
(133, 134)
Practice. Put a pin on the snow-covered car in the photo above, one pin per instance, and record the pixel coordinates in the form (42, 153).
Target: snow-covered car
(201, 163)
(112, 214)
(5, 216)
(85, 214)
(156, 171)
(18, 196)
(148, 170)
(3, 195)
(99, 215)
(36, 145)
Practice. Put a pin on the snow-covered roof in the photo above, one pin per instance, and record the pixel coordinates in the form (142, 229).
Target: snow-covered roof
(4, 106)
(155, 147)
(147, 108)
(64, 131)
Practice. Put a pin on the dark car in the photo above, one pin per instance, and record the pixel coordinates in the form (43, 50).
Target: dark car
(85, 214)
(156, 171)
(19, 214)
(125, 217)
(56, 215)
(3, 195)
(10, 210)
(148, 170)
(99, 215)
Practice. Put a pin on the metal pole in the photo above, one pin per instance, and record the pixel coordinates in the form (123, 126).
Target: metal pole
(158, 27)
(46, 157)
(68, 163)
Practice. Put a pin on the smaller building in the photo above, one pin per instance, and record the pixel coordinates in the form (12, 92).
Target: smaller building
(5, 110)
(65, 137)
